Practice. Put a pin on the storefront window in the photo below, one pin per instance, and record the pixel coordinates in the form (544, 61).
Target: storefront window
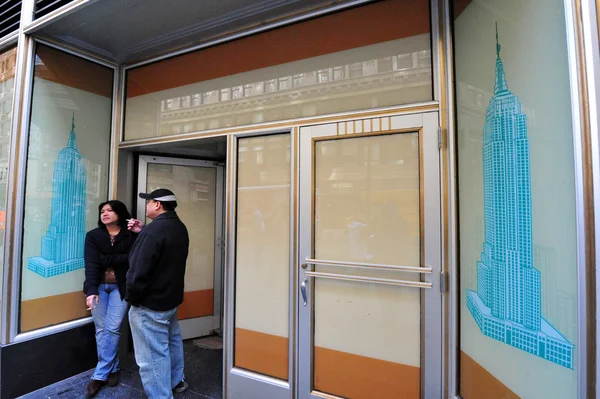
(8, 60)
(300, 70)
(517, 225)
(67, 178)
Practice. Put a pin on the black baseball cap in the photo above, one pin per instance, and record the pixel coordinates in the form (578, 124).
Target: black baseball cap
(161, 195)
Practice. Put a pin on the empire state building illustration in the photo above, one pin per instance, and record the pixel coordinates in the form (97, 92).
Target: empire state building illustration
(62, 247)
(507, 303)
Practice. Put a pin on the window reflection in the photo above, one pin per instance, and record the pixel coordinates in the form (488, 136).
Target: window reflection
(367, 199)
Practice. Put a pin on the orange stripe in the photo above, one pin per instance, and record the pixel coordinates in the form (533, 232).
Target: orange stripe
(196, 304)
(262, 353)
(44, 312)
(68, 70)
(359, 377)
(375, 23)
(476, 382)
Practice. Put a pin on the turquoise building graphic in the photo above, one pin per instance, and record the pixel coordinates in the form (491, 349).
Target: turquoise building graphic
(62, 247)
(507, 303)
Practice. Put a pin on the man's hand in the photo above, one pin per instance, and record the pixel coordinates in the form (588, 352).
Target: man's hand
(135, 225)
(91, 301)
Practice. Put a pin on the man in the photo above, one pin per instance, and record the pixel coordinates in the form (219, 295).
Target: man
(154, 289)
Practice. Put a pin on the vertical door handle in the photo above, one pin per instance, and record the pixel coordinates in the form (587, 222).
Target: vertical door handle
(303, 291)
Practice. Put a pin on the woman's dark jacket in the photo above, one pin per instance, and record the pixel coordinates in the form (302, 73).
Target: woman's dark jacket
(99, 254)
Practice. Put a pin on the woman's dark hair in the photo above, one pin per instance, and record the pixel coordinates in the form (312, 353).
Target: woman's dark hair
(119, 208)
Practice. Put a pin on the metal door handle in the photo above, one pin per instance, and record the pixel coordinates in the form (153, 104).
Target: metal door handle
(303, 291)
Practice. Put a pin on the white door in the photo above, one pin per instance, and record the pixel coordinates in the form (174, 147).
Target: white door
(198, 186)
(369, 297)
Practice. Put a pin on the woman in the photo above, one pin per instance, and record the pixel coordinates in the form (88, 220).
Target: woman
(106, 251)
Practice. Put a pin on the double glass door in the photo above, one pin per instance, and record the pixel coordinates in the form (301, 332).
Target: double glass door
(369, 310)
(364, 301)
(198, 186)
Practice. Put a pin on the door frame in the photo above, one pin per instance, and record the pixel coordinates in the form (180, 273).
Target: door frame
(426, 124)
(199, 326)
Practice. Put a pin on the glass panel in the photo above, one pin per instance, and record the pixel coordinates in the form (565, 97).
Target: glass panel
(518, 244)
(195, 188)
(300, 70)
(8, 60)
(263, 255)
(67, 178)
(367, 337)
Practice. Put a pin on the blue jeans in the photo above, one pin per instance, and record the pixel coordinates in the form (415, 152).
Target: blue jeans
(158, 350)
(108, 315)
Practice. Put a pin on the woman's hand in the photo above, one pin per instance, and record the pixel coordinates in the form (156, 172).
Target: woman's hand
(91, 301)
(135, 225)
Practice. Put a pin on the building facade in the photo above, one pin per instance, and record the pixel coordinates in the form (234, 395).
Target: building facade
(402, 189)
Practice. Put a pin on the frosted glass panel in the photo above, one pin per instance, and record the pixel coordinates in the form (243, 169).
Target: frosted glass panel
(263, 255)
(67, 178)
(195, 188)
(518, 260)
(367, 210)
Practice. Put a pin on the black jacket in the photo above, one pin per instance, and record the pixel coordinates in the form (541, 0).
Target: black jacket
(157, 264)
(99, 255)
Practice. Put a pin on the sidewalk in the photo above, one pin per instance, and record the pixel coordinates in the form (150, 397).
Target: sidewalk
(203, 371)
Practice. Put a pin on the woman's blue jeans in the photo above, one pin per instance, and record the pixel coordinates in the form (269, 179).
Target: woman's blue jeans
(108, 315)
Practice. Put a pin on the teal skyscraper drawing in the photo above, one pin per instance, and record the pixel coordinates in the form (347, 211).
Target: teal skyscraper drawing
(507, 303)
(62, 247)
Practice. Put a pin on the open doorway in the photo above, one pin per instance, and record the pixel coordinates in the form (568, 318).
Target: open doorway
(195, 172)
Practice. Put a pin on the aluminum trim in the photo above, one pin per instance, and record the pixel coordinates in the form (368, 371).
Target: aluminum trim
(14, 209)
(375, 280)
(122, 104)
(449, 243)
(260, 378)
(219, 246)
(43, 332)
(579, 120)
(230, 225)
(9, 40)
(114, 142)
(19, 206)
(76, 53)
(411, 269)
(55, 15)
(250, 32)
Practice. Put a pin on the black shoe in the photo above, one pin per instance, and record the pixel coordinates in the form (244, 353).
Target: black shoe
(113, 379)
(181, 387)
(94, 387)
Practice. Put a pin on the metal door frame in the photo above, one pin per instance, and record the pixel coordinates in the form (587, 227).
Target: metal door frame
(207, 324)
(426, 124)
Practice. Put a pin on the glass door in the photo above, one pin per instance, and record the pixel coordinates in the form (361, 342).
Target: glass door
(370, 252)
(198, 186)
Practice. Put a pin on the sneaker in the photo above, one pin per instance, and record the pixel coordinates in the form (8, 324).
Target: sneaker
(181, 387)
(113, 379)
(94, 387)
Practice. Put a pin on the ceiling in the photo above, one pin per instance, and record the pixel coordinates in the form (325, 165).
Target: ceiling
(213, 148)
(128, 31)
